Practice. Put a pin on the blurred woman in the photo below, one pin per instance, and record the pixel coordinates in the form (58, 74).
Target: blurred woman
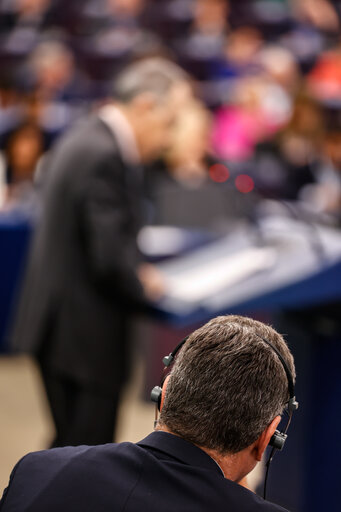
(190, 188)
(22, 153)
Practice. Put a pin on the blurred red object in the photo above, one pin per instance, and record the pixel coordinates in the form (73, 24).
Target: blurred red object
(325, 78)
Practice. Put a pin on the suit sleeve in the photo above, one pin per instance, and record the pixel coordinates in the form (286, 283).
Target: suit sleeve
(3, 500)
(109, 233)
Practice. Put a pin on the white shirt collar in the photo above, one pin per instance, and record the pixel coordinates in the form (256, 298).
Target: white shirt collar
(114, 118)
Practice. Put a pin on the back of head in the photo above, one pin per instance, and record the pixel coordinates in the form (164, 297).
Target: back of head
(154, 75)
(227, 384)
(50, 53)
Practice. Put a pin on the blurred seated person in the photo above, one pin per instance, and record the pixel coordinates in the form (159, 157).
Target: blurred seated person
(256, 109)
(324, 80)
(21, 23)
(110, 29)
(19, 101)
(324, 84)
(48, 90)
(315, 23)
(169, 19)
(22, 153)
(240, 52)
(210, 19)
(321, 14)
(111, 33)
(238, 59)
(323, 195)
(10, 107)
(189, 187)
(281, 65)
(287, 162)
(205, 39)
(56, 74)
(188, 154)
(258, 13)
(99, 13)
(61, 89)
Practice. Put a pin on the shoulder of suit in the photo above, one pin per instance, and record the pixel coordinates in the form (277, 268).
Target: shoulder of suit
(87, 136)
(81, 454)
(81, 464)
(69, 453)
(46, 464)
(86, 149)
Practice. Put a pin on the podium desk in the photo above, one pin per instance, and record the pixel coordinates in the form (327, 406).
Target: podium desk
(291, 273)
(286, 264)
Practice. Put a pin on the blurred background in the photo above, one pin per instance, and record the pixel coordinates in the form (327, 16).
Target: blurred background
(265, 130)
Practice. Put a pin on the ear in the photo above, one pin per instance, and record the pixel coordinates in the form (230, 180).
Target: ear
(163, 394)
(264, 439)
(144, 102)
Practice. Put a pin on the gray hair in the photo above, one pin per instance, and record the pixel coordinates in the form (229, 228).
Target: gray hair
(227, 384)
(47, 53)
(155, 75)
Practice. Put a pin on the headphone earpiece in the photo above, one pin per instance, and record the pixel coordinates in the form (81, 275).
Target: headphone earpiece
(156, 393)
(155, 396)
(278, 440)
(292, 405)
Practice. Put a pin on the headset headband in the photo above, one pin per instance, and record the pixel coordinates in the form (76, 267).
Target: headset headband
(292, 405)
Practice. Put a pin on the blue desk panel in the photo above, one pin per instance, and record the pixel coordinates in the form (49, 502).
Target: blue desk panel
(15, 232)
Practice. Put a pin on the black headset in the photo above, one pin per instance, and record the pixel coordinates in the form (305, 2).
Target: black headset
(278, 439)
(156, 392)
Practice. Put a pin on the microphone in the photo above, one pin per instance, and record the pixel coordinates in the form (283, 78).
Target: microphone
(298, 213)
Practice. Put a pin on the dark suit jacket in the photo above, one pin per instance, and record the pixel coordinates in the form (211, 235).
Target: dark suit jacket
(80, 280)
(161, 473)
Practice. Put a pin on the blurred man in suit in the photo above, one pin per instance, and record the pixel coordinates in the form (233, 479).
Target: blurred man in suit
(84, 277)
(220, 406)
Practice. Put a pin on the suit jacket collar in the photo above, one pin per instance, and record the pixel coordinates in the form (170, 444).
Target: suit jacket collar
(182, 450)
(123, 133)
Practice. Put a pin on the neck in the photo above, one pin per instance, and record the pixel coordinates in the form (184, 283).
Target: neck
(234, 466)
(134, 123)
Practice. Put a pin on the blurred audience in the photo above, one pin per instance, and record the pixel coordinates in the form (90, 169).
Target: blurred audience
(269, 72)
